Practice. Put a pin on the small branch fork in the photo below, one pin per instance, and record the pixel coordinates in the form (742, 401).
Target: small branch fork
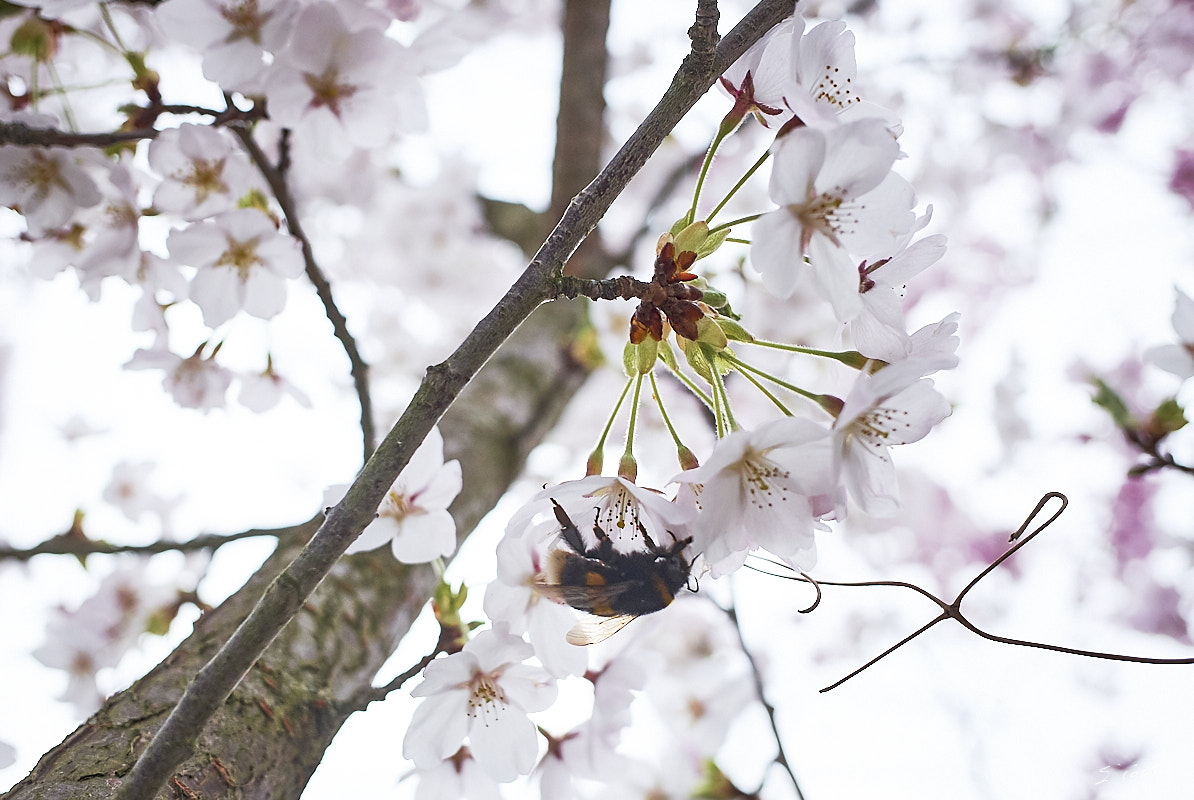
(953, 610)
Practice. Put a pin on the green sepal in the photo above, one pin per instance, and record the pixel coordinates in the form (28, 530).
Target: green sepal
(681, 224)
(698, 359)
(630, 359)
(1106, 398)
(33, 38)
(712, 242)
(1166, 418)
(711, 297)
(691, 237)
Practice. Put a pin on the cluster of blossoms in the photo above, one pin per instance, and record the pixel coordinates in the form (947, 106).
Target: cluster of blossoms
(95, 636)
(844, 226)
(187, 218)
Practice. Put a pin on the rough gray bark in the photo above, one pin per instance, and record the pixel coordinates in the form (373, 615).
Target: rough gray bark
(270, 735)
(267, 738)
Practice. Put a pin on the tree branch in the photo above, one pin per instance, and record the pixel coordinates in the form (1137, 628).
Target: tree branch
(356, 364)
(67, 544)
(442, 384)
(20, 134)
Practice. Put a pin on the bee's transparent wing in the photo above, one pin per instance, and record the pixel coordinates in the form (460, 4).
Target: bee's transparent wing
(593, 629)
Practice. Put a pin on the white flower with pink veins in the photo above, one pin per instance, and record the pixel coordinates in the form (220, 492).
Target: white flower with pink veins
(233, 35)
(484, 692)
(839, 203)
(47, 185)
(203, 172)
(762, 488)
(413, 517)
(350, 85)
(242, 262)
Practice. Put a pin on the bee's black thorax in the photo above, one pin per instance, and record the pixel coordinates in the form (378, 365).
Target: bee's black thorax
(606, 582)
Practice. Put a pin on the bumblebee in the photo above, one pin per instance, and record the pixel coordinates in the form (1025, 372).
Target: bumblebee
(613, 587)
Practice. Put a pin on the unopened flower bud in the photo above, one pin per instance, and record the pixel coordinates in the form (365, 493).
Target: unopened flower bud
(710, 333)
(734, 330)
(628, 467)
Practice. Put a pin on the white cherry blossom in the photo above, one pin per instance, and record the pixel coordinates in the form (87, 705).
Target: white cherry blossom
(615, 504)
(232, 35)
(838, 201)
(196, 381)
(484, 693)
(878, 329)
(762, 488)
(413, 517)
(261, 391)
(203, 172)
(807, 75)
(243, 262)
(456, 776)
(893, 406)
(347, 85)
(1177, 358)
(514, 599)
(47, 185)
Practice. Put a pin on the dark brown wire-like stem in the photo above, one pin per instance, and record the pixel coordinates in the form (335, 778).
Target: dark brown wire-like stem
(174, 740)
(953, 610)
(781, 757)
(356, 364)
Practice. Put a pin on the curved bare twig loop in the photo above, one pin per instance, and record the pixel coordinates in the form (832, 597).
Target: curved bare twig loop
(953, 610)
(817, 601)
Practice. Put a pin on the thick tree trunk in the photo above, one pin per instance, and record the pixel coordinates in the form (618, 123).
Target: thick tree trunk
(271, 733)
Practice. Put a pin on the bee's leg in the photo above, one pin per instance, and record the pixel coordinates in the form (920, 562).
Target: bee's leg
(569, 530)
(605, 545)
(648, 541)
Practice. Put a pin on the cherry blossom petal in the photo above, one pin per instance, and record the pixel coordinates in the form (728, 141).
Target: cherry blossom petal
(425, 537)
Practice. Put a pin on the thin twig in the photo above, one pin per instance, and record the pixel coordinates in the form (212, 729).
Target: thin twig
(781, 757)
(356, 364)
(953, 610)
(67, 545)
(18, 133)
(174, 740)
(370, 694)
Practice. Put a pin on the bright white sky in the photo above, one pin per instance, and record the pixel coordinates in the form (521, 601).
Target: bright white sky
(947, 716)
